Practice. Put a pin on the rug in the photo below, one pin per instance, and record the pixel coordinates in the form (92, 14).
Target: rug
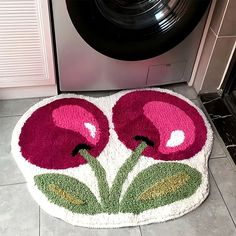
(132, 158)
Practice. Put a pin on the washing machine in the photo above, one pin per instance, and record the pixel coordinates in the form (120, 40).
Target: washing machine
(121, 44)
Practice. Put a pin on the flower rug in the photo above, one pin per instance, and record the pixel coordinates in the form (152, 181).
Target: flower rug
(132, 158)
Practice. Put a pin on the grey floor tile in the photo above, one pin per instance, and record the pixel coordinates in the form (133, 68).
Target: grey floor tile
(168, 86)
(197, 103)
(217, 150)
(7, 125)
(210, 219)
(16, 106)
(19, 214)
(51, 226)
(185, 90)
(40, 99)
(10, 173)
(225, 176)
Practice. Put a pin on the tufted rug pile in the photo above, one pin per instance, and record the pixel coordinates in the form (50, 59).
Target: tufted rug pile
(132, 158)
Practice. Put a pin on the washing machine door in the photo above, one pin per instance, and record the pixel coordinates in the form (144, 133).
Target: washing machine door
(135, 29)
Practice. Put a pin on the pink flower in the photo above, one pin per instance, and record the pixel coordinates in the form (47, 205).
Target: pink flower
(173, 129)
(54, 133)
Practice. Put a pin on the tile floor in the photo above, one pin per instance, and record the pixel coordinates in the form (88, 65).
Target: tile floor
(21, 216)
(223, 118)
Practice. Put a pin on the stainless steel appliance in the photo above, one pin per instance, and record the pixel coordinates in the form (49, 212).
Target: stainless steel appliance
(115, 44)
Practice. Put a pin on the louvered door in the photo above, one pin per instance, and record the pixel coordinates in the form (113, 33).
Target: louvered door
(25, 44)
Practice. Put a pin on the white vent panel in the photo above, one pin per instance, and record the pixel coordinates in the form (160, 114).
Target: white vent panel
(22, 50)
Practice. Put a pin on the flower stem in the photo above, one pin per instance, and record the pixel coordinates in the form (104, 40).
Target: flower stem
(100, 174)
(122, 175)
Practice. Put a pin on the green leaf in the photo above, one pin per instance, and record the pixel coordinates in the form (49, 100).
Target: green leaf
(159, 185)
(68, 192)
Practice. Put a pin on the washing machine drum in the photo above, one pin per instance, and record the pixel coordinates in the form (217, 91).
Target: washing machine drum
(135, 29)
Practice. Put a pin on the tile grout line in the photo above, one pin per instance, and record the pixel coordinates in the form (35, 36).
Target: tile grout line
(212, 100)
(140, 230)
(9, 116)
(234, 223)
(217, 157)
(5, 185)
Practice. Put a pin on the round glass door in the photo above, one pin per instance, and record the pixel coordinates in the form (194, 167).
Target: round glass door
(135, 29)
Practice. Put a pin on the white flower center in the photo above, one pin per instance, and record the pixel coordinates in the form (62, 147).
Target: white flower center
(176, 138)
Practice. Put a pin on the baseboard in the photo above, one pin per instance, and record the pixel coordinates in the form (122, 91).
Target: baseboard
(28, 92)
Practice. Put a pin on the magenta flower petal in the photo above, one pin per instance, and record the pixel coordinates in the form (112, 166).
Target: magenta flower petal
(175, 127)
(168, 120)
(52, 132)
(66, 117)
